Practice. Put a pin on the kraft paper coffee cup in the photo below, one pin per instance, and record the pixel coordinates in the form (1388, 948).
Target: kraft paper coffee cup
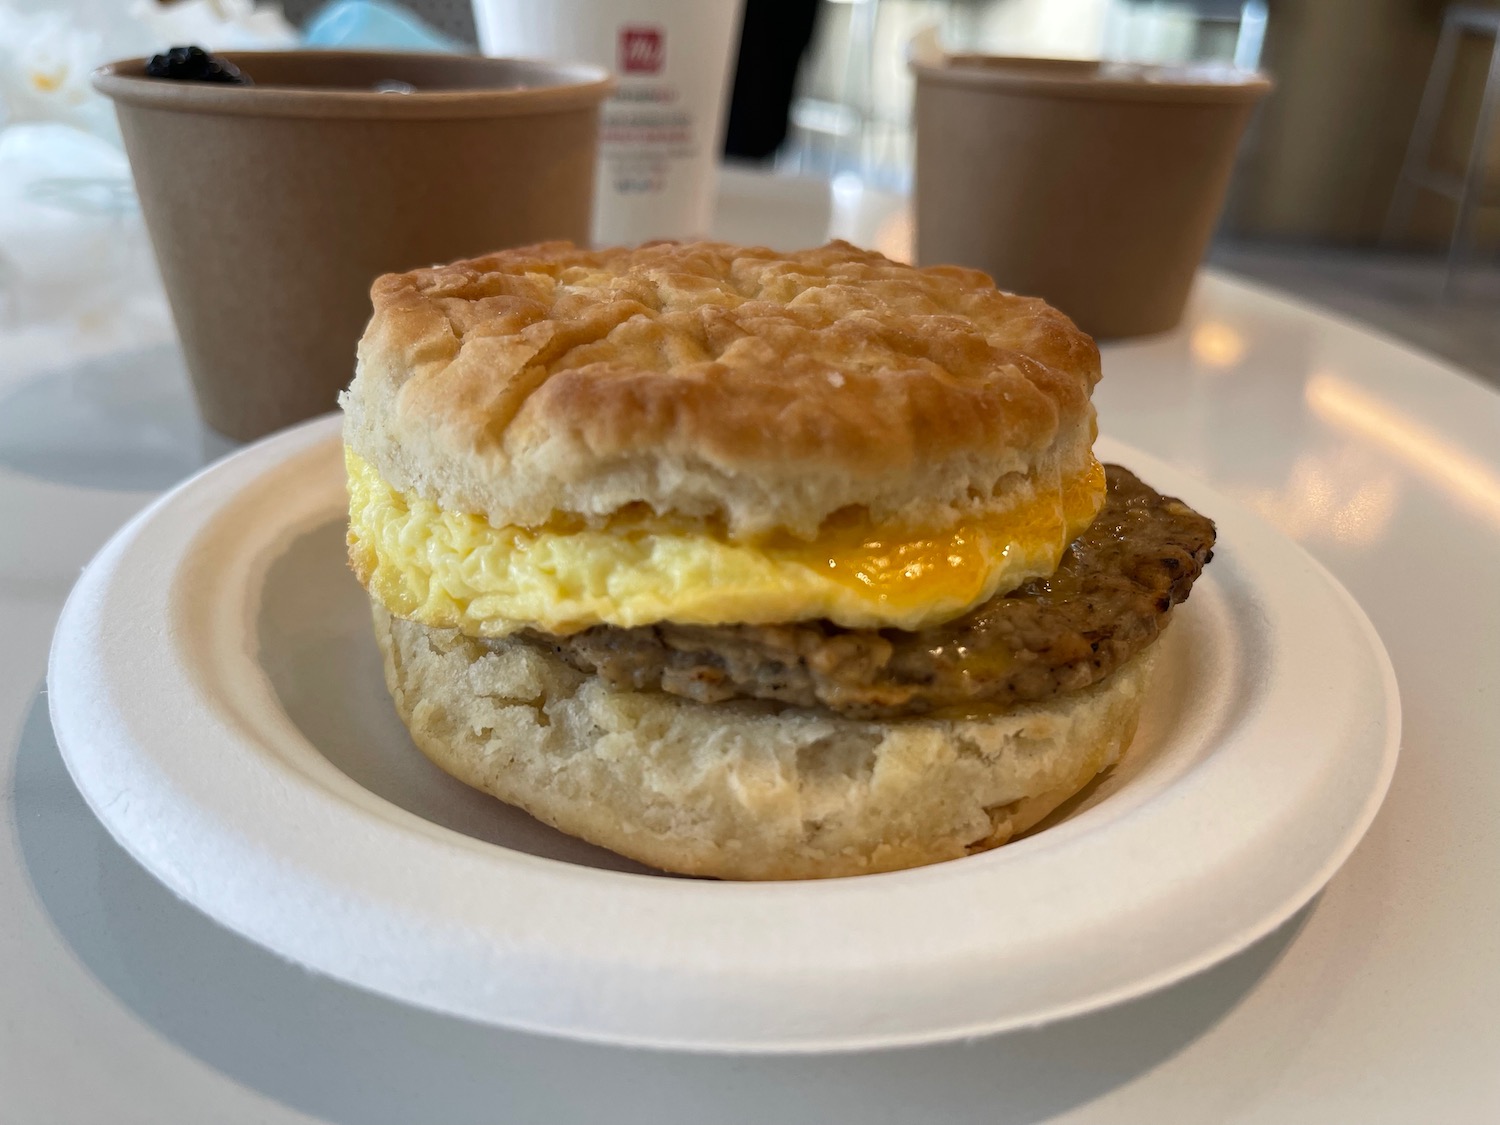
(273, 207)
(1093, 186)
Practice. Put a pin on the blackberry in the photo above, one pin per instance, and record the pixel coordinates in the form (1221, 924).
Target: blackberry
(194, 64)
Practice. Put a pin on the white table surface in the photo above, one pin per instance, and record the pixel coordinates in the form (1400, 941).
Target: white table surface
(1380, 1002)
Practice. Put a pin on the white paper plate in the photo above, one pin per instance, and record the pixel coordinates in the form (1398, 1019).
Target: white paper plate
(217, 696)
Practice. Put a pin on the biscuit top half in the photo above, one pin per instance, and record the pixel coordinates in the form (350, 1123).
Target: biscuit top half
(764, 390)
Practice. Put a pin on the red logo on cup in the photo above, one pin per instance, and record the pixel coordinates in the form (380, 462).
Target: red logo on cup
(643, 50)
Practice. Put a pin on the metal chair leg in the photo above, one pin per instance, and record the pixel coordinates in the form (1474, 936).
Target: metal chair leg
(1468, 204)
(1419, 148)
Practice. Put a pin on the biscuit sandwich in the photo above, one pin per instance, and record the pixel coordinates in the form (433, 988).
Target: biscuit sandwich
(748, 564)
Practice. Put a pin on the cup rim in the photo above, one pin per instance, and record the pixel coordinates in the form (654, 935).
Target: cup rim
(560, 86)
(1091, 78)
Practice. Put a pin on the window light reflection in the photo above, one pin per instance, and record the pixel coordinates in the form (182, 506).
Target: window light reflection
(1339, 495)
(1217, 345)
(1468, 479)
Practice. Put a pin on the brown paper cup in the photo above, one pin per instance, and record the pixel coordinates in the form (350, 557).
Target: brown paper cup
(273, 207)
(1095, 188)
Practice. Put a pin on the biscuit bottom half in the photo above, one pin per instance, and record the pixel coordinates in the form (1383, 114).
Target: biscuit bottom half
(745, 789)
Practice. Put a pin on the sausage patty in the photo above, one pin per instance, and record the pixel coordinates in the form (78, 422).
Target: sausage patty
(1109, 598)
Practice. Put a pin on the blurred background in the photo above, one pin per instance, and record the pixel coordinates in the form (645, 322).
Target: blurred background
(1369, 181)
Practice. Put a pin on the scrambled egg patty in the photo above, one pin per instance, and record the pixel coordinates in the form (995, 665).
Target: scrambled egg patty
(454, 570)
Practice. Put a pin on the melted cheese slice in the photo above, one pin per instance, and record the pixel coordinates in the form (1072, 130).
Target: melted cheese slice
(454, 570)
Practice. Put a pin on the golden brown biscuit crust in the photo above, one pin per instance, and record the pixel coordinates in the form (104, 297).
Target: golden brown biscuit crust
(706, 378)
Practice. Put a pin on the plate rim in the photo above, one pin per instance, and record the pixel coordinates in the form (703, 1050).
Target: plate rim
(82, 732)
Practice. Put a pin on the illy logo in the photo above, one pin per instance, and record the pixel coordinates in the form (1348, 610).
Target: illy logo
(643, 50)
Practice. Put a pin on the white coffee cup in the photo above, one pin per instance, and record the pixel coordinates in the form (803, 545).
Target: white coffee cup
(661, 132)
